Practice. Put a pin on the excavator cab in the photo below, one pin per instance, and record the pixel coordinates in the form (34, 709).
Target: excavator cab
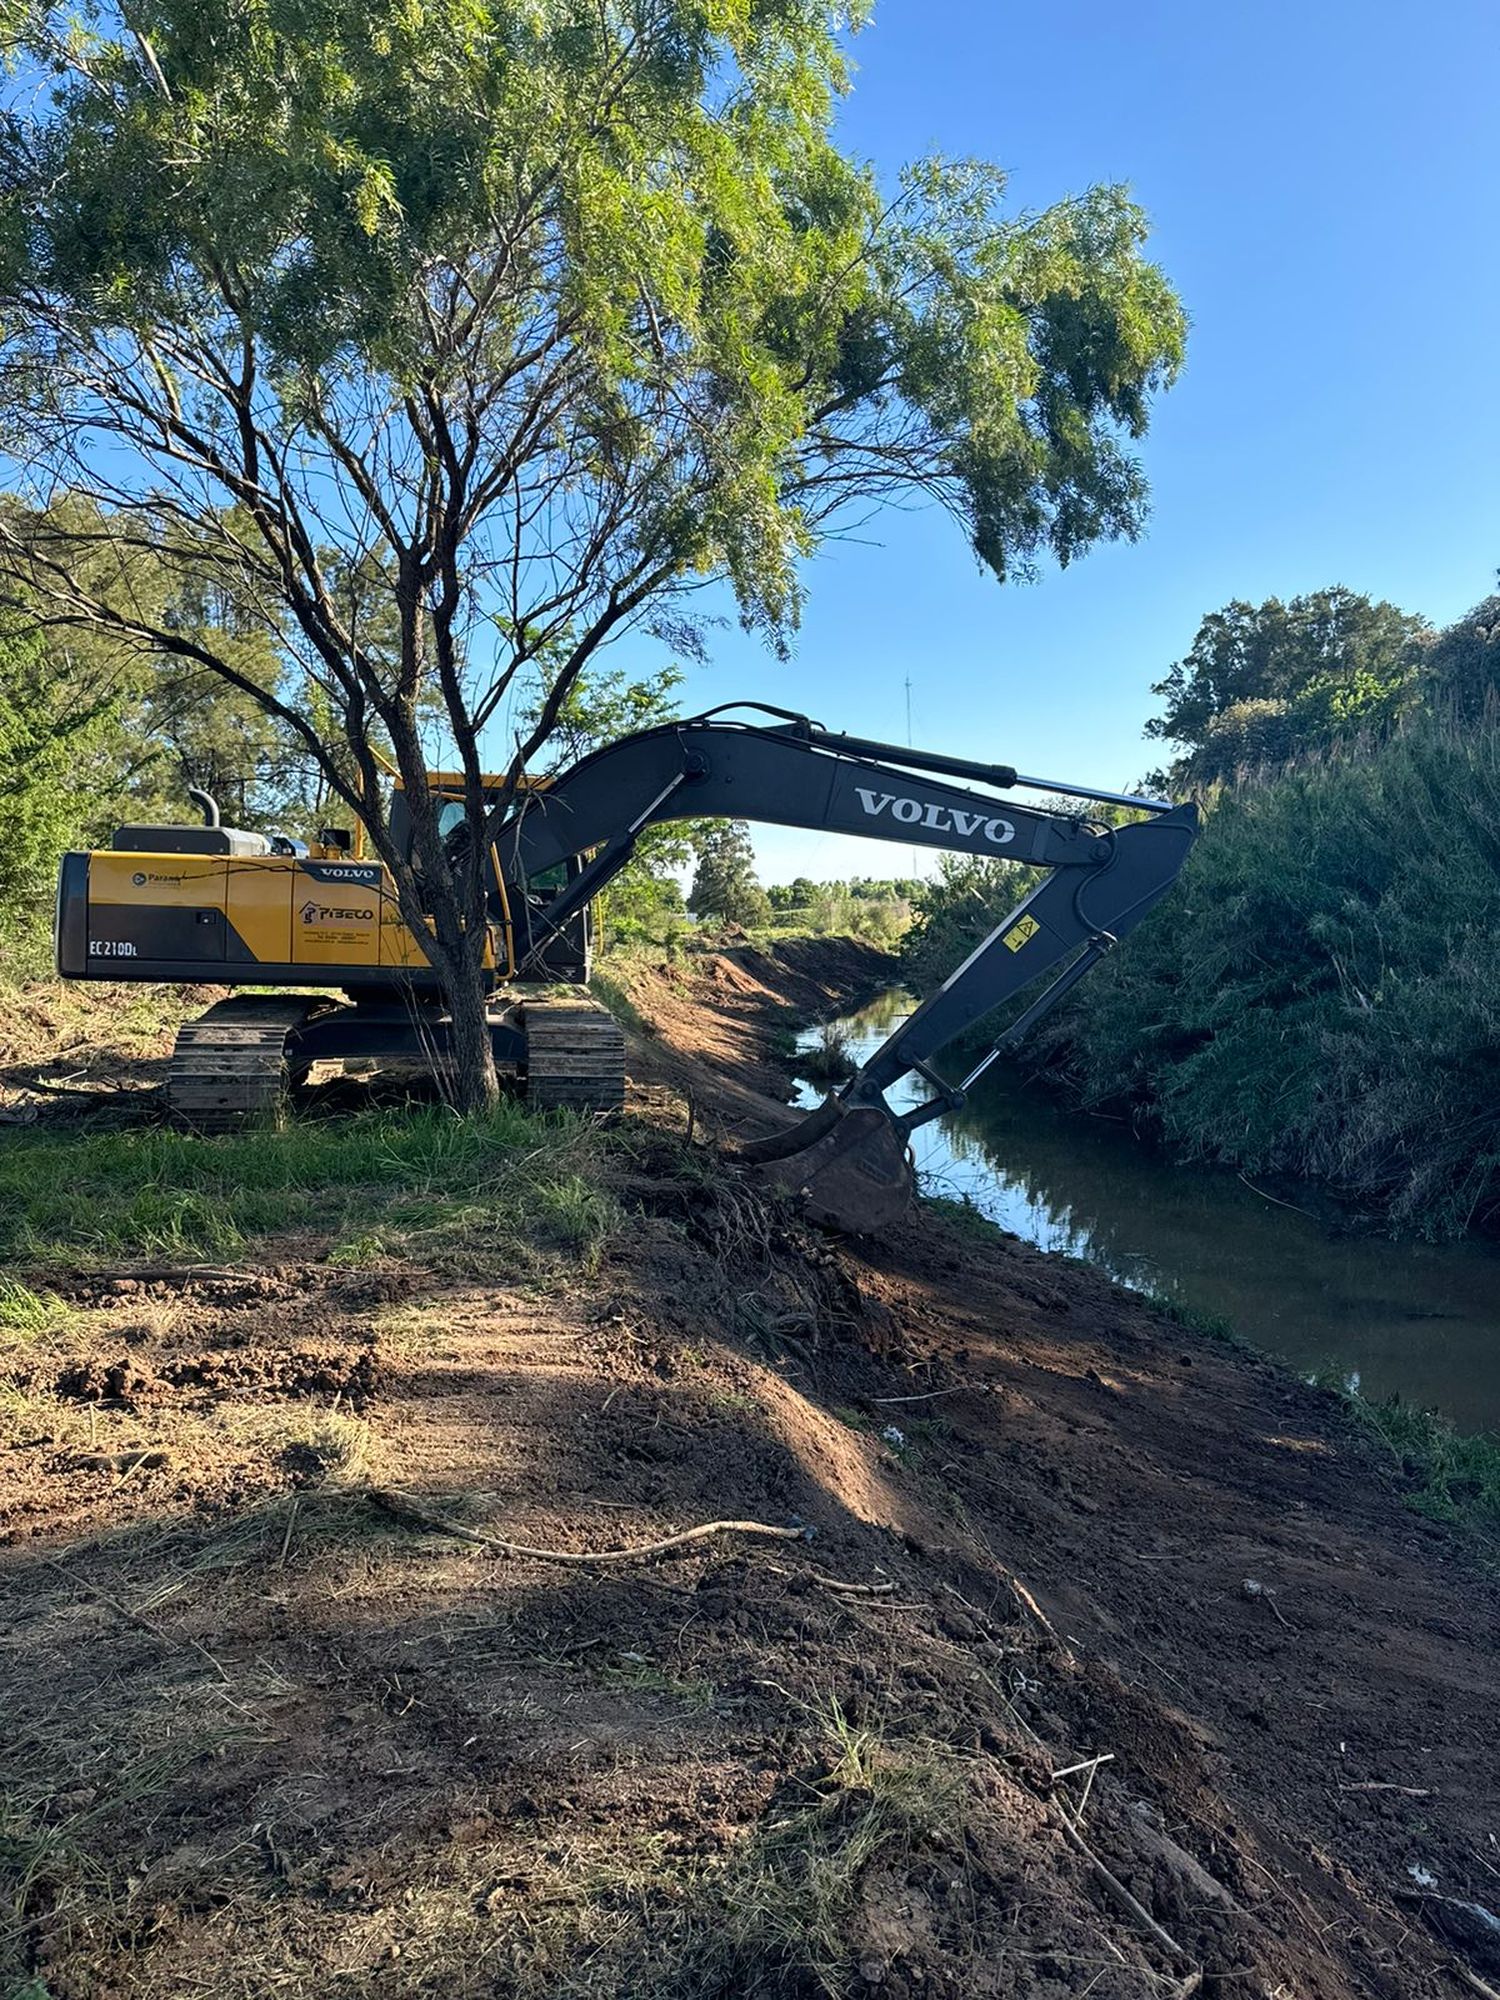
(562, 951)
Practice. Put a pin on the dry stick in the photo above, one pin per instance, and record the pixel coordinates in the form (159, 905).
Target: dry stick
(1024, 1597)
(1084, 1764)
(403, 1504)
(157, 1632)
(1471, 1978)
(286, 1540)
(1188, 1987)
(931, 1395)
(837, 1583)
(180, 1273)
(1116, 1888)
(1406, 1791)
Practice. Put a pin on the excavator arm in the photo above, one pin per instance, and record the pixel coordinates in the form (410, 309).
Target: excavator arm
(849, 1158)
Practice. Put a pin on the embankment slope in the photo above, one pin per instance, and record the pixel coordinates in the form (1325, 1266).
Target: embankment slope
(1114, 1664)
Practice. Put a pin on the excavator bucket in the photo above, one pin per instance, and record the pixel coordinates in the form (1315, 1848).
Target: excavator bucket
(849, 1166)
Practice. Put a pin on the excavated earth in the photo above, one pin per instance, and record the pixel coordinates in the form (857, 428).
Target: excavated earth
(1107, 1660)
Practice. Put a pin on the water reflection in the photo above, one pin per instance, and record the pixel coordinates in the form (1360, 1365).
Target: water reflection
(1421, 1319)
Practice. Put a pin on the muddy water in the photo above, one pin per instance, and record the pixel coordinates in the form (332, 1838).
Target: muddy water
(1419, 1319)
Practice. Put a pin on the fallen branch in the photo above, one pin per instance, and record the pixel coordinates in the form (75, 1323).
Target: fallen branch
(143, 1624)
(100, 1092)
(1116, 1889)
(1473, 1980)
(1024, 1597)
(179, 1274)
(931, 1396)
(834, 1583)
(405, 1507)
(1084, 1764)
(837, 1583)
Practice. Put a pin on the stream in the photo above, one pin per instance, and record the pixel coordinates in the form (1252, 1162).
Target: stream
(1418, 1319)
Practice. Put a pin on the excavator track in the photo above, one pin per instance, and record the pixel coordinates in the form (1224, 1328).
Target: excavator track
(230, 1065)
(575, 1056)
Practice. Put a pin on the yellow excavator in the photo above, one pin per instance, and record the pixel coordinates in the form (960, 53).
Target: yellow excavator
(210, 904)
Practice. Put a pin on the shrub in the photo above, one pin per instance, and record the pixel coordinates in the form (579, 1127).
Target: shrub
(1321, 995)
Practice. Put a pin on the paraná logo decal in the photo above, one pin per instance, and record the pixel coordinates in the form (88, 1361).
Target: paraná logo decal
(323, 913)
(138, 880)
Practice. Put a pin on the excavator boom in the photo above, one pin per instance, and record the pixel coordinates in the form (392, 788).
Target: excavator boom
(849, 1159)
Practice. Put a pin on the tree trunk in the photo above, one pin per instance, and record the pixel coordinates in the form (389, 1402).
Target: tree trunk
(476, 1088)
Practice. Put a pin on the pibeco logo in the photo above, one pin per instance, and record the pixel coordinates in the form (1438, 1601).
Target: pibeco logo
(941, 819)
(321, 913)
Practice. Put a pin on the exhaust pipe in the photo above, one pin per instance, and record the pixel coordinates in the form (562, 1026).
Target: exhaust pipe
(207, 804)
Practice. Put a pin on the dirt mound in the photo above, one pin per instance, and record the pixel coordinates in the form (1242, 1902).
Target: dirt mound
(1089, 1657)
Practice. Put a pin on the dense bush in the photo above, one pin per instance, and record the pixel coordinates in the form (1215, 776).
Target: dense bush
(1321, 995)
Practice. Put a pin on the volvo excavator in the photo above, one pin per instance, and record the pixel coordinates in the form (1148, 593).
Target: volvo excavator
(210, 904)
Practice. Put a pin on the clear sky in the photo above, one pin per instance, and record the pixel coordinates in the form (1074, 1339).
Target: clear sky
(1323, 181)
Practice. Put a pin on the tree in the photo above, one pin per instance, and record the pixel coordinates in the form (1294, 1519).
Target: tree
(1463, 667)
(724, 887)
(453, 337)
(1262, 683)
(57, 742)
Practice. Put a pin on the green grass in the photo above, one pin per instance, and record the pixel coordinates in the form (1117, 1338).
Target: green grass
(781, 1916)
(964, 1213)
(1208, 1325)
(26, 1315)
(1452, 1477)
(403, 1180)
(615, 996)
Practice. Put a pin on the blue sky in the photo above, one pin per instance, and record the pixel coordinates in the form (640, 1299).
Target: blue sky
(1323, 181)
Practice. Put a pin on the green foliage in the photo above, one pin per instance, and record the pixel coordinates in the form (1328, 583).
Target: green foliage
(724, 886)
(1208, 1325)
(1263, 683)
(1462, 669)
(703, 306)
(1451, 1477)
(26, 1315)
(539, 317)
(1321, 994)
(870, 907)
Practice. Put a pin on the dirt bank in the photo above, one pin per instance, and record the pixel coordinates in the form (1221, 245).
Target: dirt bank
(1113, 1665)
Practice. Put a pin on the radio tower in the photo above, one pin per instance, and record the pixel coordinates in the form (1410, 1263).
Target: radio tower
(915, 862)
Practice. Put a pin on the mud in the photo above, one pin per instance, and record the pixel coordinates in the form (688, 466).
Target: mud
(304, 1748)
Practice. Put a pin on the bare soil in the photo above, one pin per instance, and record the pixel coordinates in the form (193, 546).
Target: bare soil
(1110, 1662)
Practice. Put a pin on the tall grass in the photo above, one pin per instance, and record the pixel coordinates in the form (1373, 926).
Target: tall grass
(1321, 995)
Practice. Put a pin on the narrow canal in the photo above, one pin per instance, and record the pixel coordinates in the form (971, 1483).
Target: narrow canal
(1415, 1318)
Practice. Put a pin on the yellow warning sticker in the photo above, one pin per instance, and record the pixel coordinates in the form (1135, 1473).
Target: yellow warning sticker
(1022, 933)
